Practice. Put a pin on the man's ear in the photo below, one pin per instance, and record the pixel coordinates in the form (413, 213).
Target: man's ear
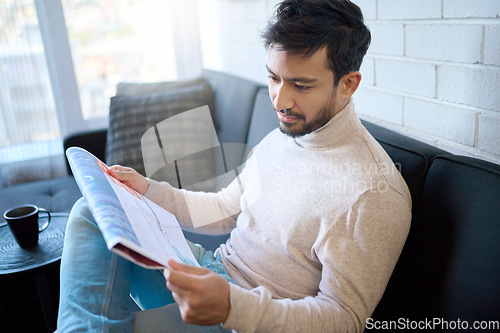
(349, 84)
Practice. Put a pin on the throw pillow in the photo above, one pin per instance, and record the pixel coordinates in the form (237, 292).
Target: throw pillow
(139, 89)
(131, 116)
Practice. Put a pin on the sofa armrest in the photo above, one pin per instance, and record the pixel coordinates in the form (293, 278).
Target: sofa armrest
(93, 141)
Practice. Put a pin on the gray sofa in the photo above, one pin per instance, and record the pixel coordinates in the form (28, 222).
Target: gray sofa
(450, 265)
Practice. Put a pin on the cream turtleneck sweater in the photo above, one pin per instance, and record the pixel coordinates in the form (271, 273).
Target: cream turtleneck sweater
(320, 223)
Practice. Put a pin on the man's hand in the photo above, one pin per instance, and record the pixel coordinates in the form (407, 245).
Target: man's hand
(130, 177)
(202, 295)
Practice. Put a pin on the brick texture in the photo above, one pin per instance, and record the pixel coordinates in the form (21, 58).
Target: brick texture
(471, 8)
(469, 86)
(492, 45)
(488, 139)
(408, 9)
(381, 44)
(406, 76)
(379, 104)
(431, 72)
(446, 42)
(435, 118)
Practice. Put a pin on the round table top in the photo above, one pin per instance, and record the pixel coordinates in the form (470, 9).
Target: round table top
(14, 259)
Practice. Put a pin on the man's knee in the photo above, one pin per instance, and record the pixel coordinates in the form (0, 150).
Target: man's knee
(80, 216)
(80, 207)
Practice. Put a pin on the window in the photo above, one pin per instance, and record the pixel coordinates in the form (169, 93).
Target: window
(61, 60)
(114, 41)
(28, 118)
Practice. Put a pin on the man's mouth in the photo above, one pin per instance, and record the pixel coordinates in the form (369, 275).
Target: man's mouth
(284, 116)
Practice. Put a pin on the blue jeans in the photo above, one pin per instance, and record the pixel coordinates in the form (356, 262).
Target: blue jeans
(96, 286)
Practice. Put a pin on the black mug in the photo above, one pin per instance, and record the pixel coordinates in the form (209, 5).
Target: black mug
(23, 223)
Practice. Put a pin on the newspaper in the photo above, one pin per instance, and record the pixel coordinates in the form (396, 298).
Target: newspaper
(132, 225)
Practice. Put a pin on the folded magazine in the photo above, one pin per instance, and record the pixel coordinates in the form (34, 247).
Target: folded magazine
(132, 225)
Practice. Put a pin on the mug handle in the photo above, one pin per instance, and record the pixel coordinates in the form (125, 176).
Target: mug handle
(42, 210)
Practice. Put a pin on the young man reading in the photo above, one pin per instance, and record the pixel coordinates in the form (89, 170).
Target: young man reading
(323, 212)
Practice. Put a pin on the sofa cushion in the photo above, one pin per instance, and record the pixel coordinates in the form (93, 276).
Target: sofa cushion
(55, 195)
(131, 116)
(450, 265)
(26, 171)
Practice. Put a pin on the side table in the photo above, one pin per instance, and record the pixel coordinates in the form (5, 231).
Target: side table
(14, 261)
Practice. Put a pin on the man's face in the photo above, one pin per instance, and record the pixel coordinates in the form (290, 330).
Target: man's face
(302, 90)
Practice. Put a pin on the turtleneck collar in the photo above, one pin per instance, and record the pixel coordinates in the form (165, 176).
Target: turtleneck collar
(334, 131)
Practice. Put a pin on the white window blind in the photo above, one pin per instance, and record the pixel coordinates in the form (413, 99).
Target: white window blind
(114, 41)
(29, 125)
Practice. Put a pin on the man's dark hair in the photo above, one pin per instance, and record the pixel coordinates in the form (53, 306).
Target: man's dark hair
(305, 26)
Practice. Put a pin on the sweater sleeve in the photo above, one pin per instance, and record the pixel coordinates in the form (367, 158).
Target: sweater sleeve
(357, 253)
(202, 212)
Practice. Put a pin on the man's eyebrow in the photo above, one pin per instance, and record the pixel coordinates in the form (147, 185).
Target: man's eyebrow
(294, 79)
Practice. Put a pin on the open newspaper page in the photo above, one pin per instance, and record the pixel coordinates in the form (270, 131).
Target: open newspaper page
(132, 225)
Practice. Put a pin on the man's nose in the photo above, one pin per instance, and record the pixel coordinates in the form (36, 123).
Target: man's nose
(283, 98)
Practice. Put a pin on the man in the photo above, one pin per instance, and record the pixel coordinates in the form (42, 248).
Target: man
(323, 213)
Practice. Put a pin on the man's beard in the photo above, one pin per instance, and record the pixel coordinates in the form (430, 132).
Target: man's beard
(307, 127)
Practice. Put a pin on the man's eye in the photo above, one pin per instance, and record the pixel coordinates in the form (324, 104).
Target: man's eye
(274, 78)
(302, 88)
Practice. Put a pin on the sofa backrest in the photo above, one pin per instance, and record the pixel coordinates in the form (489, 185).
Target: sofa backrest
(233, 104)
(454, 247)
(93, 141)
(263, 119)
(413, 158)
(450, 265)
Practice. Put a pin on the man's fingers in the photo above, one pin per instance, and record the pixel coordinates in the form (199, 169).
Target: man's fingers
(130, 177)
(118, 169)
(187, 268)
(183, 280)
(176, 290)
(202, 296)
(184, 276)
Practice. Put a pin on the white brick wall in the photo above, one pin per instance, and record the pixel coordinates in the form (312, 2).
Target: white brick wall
(406, 76)
(417, 114)
(470, 8)
(407, 9)
(474, 86)
(488, 133)
(384, 105)
(445, 42)
(230, 33)
(492, 45)
(388, 38)
(432, 71)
